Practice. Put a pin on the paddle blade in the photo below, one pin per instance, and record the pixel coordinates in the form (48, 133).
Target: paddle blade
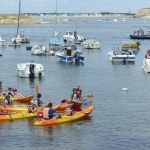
(37, 88)
(90, 96)
(63, 100)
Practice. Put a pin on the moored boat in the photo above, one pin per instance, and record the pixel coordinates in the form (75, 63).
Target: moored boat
(69, 54)
(30, 70)
(146, 62)
(140, 37)
(120, 54)
(65, 118)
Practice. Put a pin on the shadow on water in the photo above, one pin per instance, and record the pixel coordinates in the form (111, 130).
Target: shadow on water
(123, 63)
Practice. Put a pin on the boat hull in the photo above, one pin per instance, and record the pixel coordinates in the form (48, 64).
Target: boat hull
(139, 36)
(64, 118)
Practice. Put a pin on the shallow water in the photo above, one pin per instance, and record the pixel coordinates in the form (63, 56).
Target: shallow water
(120, 119)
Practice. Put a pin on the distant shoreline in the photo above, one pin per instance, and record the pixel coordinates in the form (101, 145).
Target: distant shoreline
(84, 16)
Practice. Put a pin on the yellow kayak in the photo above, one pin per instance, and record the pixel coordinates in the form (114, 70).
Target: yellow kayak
(20, 115)
(24, 108)
(25, 98)
(65, 118)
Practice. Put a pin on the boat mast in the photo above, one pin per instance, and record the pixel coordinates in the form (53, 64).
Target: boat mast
(55, 18)
(19, 16)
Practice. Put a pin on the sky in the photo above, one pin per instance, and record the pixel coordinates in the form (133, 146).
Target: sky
(72, 6)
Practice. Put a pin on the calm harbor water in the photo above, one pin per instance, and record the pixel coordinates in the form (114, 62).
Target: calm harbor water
(120, 120)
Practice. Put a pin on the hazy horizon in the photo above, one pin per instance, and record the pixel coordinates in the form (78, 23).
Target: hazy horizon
(70, 6)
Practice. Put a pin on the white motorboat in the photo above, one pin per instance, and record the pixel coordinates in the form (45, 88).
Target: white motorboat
(70, 54)
(146, 62)
(120, 54)
(91, 44)
(30, 70)
(2, 42)
(73, 36)
(41, 50)
(124, 20)
(116, 20)
(13, 42)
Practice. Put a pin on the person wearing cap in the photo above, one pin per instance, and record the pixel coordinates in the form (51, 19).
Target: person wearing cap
(7, 100)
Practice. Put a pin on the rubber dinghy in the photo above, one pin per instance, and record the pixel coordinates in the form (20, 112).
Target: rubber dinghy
(64, 118)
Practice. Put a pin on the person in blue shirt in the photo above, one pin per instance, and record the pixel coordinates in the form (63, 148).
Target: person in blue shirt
(51, 112)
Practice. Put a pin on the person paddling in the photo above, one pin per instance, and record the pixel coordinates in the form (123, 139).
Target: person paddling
(7, 101)
(37, 102)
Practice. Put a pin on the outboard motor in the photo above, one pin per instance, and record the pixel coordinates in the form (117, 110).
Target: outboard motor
(77, 57)
(31, 75)
(138, 43)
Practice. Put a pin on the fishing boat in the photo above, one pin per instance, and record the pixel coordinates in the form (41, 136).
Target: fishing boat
(76, 115)
(70, 55)
(73, 36)
(56, 40)
(146, 62)
(41, 50)
(140, 37)
(91, 44)
(20, 37)
(2, 42)
(30, 70)
(130, 44)
(19, 115)
(120, 54)
(25, 98)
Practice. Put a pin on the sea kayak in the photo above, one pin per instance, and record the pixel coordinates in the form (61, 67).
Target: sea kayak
(24, 108)
(64, 118)
(20, 115)
(25, 98)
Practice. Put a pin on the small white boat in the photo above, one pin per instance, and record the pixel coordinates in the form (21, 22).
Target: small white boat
(146, 62)
(116, 20)
(91, 44)
(124, 20)
(70, 54)
(2, 42)
(13, 42)
(73, 36)
(22, 38)
(30, 70)
(41, 50)
(120, 54)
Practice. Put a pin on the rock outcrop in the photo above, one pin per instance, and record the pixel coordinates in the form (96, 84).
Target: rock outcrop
(144, 12)
(13, 19)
